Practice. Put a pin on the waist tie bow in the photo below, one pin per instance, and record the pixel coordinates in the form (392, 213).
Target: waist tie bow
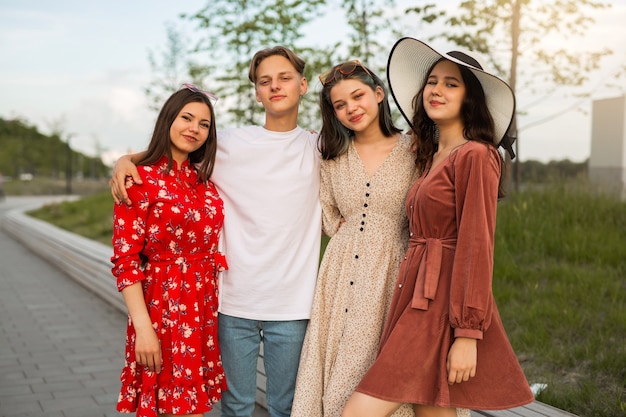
(429, 268)
(165, 258)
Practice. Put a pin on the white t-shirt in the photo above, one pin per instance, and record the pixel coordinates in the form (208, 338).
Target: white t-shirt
(269, 182)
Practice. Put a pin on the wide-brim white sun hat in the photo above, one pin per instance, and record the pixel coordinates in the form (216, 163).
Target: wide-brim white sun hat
(409, 61)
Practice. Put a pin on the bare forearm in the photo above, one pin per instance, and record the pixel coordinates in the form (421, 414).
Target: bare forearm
(147, 344)
(136, 305)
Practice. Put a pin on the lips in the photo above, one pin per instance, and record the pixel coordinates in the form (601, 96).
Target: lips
(356, 119)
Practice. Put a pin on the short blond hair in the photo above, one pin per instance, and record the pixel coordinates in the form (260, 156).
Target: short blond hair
(297, 62)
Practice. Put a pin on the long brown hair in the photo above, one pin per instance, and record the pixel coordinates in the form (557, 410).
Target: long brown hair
(477, 122)
(160, 144)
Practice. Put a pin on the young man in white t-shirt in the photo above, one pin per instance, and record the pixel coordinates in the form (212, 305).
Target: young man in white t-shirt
(268, 177)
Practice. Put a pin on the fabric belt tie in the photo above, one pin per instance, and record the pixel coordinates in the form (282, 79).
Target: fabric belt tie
(164, 258)
(429, 268)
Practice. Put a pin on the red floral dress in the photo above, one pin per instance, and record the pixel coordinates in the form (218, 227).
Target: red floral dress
(168, 240)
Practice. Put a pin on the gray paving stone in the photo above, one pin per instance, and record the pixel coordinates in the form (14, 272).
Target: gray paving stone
(43, 414)
(47, 371)
(19, 381)
(15, 409)
(30, 397)
(57, 386)
(65, 404)
(104, 399)
(82, 392)
(82, 412)
(67, 377)
(8, 361)
(90, 355)
(89, 369)
(61, 346)
(14, 370)
(12, 390)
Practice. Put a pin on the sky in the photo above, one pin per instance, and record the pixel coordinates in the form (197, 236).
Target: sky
(83, 66)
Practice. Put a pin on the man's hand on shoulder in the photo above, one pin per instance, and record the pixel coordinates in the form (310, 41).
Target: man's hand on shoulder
(124, 167)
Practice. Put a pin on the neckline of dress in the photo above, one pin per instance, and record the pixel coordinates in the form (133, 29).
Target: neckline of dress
(445, 160)
(369, 177)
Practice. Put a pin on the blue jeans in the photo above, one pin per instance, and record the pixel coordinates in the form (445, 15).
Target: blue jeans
(240, 341)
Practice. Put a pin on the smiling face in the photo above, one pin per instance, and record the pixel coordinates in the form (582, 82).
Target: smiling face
(444, 93)
(356, 104)
(189, 130)
(279, 86)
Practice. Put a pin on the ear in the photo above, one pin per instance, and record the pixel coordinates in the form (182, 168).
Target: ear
(256, 94)
(304, 86)
(379, 93)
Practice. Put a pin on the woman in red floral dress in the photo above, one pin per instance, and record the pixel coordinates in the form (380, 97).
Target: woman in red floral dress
(166, 264)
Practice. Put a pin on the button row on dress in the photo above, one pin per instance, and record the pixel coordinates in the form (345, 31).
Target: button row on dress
(367, 194)
(362, 221)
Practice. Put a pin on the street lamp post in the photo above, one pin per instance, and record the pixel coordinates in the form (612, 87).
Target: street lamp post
(68, 167)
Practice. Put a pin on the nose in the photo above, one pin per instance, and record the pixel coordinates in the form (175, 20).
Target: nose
(436, 89)
(194, 127)
(275, 85)
(351, 106)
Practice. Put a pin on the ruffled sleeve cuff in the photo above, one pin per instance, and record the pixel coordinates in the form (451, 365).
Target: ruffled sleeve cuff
(127, 273)
(469, 333)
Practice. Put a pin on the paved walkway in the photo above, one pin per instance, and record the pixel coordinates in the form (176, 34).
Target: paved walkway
(61, 347)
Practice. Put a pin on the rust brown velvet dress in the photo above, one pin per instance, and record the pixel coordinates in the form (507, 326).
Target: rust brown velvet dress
(444, 291)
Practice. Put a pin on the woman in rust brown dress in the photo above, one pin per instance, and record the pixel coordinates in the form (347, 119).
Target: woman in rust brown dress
(444, 345)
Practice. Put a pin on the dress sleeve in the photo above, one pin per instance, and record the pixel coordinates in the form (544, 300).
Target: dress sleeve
(129, 235)
(476, 181)
(330, 212)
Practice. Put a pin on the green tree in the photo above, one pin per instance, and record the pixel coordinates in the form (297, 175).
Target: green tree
(528, 31)
(27, 151)
(170, 67)
(368, 19)
(230, 32)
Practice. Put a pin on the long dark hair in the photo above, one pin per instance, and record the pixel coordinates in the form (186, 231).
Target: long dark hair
(160, 144)
(477, 122)
(334, 137)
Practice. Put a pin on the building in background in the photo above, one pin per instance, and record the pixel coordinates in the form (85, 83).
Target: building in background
(607, 163)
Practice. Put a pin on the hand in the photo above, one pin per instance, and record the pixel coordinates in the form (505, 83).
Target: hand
(123, 168)
(148, 349)
(461, 363)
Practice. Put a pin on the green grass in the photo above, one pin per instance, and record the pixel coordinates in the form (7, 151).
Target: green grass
(559, 281)
(50, 186)
(560, 284)
(91, 216)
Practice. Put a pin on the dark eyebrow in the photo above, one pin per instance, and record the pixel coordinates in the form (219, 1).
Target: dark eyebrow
(355, 91)
(194, 116)
(445, 78)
